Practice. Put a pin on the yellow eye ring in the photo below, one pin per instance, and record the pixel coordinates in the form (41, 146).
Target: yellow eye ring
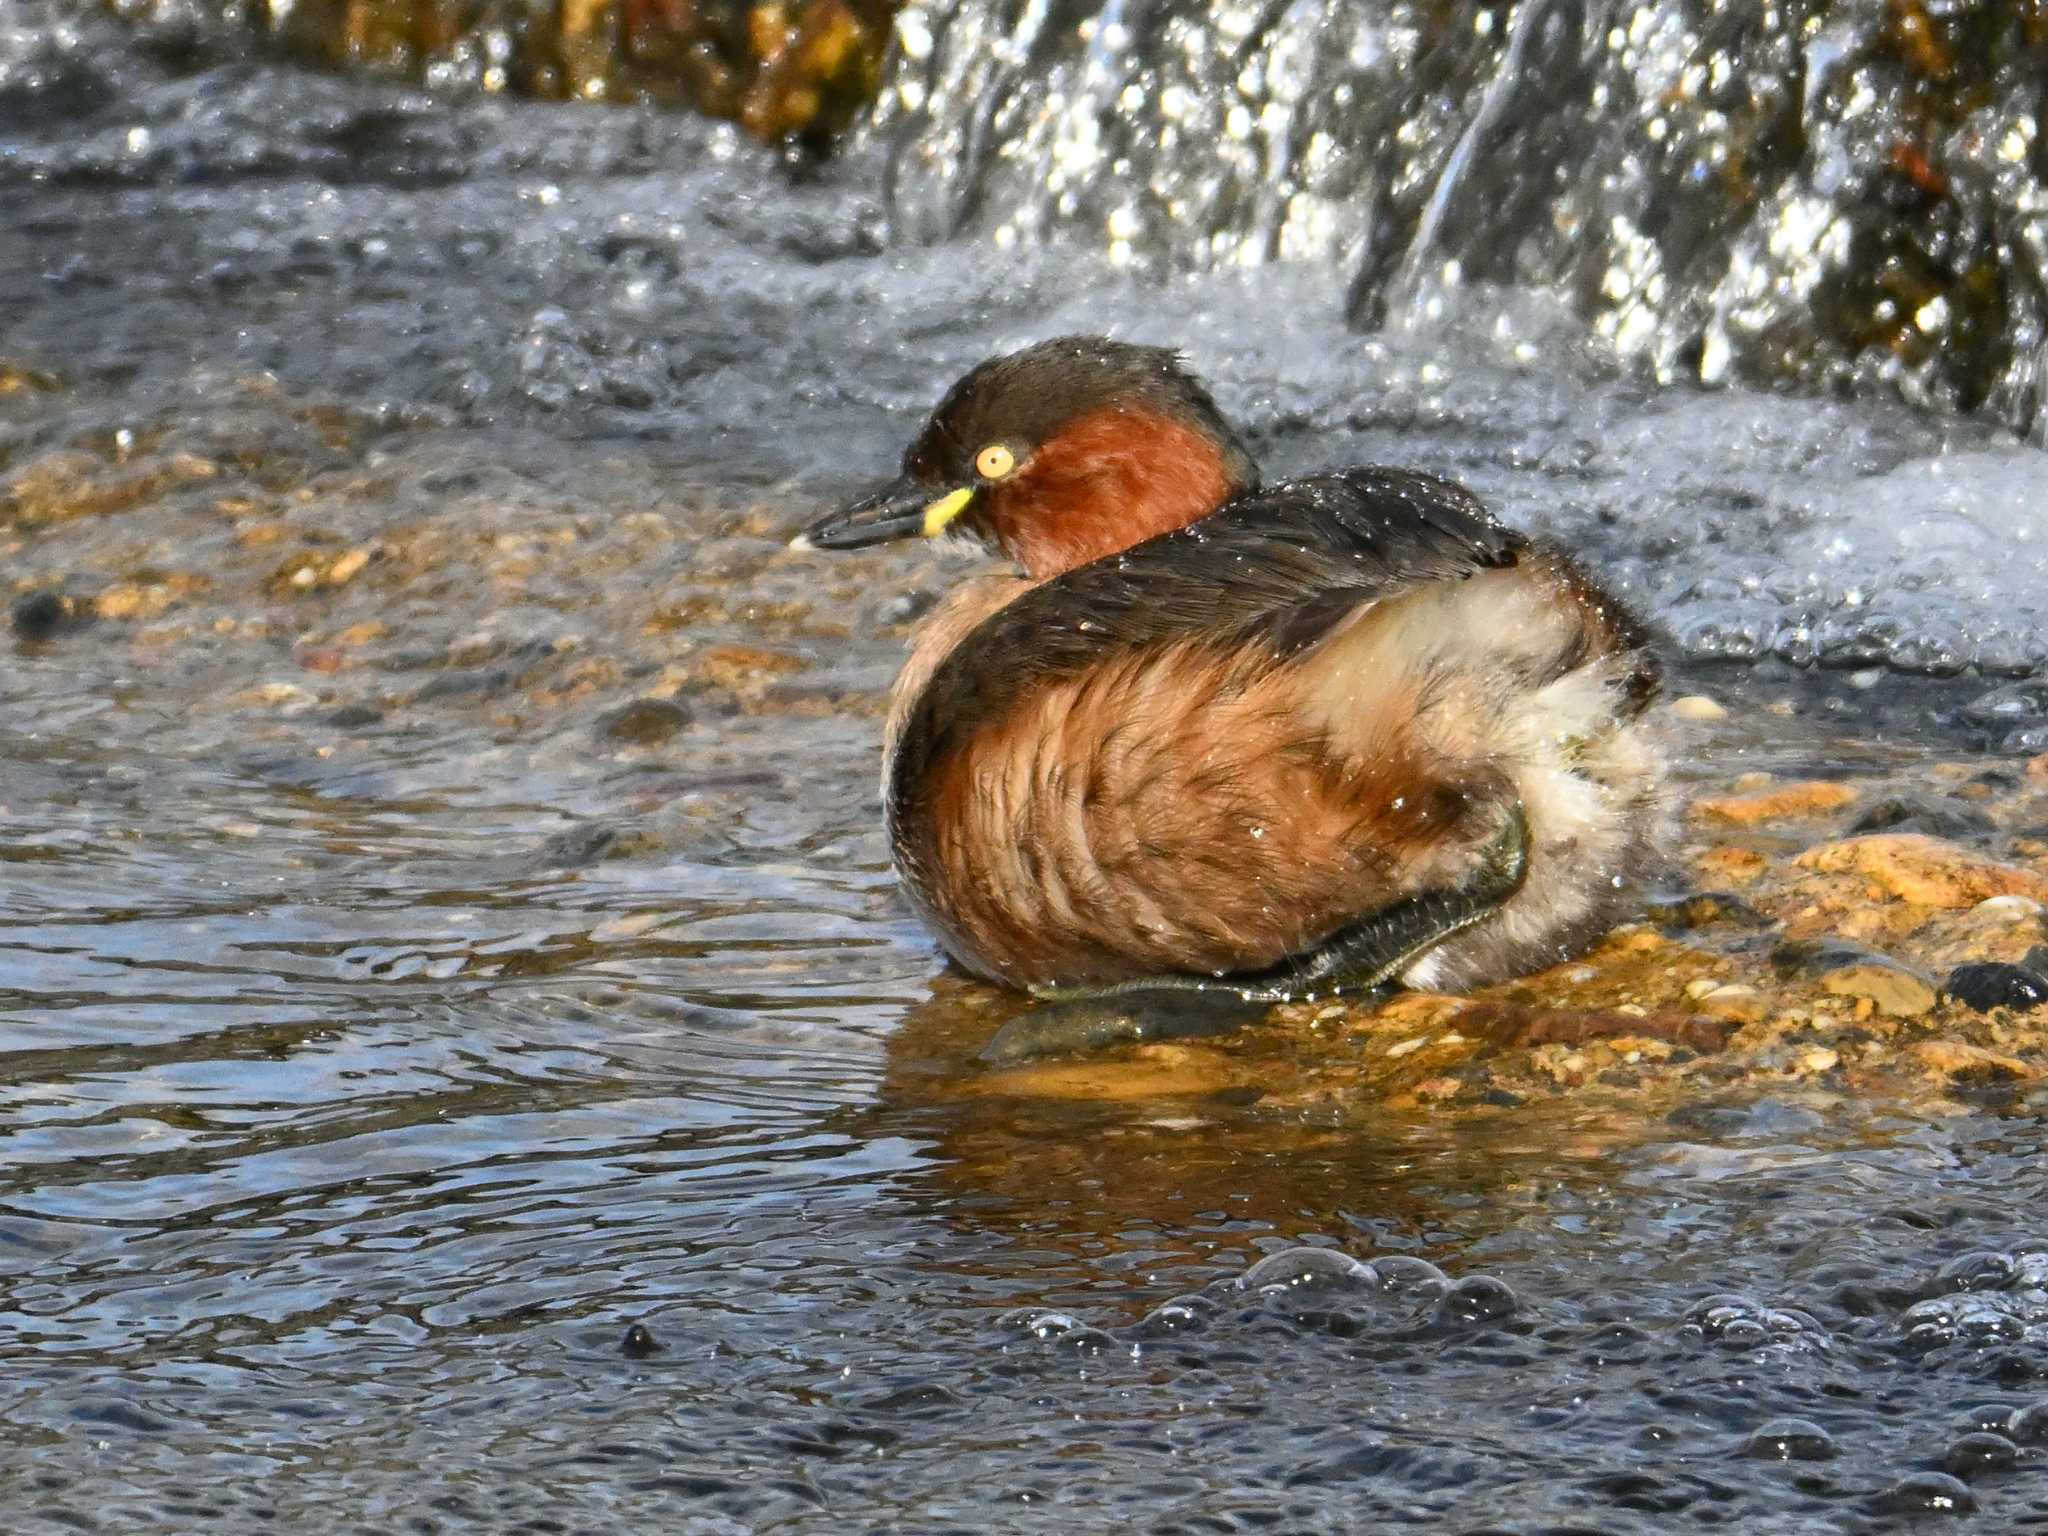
(994, 462)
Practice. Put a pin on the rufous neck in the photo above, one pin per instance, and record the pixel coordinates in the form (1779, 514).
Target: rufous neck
(1113, 479)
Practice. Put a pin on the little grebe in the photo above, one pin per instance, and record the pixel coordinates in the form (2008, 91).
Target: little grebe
(1283, 740)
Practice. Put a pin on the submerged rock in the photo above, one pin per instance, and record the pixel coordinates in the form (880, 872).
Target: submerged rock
(1781, 802)
(642, 723)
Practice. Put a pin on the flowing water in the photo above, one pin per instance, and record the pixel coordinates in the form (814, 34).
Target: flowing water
(444, 922)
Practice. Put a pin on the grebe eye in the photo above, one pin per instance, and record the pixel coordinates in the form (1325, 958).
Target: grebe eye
(994, 462)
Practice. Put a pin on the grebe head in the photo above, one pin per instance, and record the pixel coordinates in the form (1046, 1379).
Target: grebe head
(1057, 455)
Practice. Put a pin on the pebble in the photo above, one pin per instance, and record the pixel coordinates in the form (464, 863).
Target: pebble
(2008, 909)
(1738, 1001)
(1948, 1057)
(1928, 871)
(1782, 802)
(1735, 866)
(1697, 707)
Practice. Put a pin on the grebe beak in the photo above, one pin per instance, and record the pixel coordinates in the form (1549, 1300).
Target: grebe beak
(900, 511)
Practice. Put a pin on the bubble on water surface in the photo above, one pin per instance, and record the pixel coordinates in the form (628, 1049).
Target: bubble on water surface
(1789, 1439)
(1475, 1299)
(1974, 1456)
(1739, 1323)
(1306, 1269)
(1176, 1315)
(2029, 1425)
(1977, 1272)
(1926, 1493)
(1401, 1274)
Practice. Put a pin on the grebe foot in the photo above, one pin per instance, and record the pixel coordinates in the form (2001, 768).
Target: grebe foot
(1368, 954)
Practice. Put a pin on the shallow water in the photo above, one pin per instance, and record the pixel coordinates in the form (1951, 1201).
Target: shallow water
(388, 1023)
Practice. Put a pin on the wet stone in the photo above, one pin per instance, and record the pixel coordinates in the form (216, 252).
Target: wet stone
(1933, 818)
(1926, 1493)
(1789, 1439)
(1780, 802)
(640, 1342)
(643, 722)
(1928, 871)
(1985, 985)
(1973, 1456)
(1849, 970)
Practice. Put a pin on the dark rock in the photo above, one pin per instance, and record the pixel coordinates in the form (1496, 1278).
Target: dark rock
(1988, 984)
(355, 716)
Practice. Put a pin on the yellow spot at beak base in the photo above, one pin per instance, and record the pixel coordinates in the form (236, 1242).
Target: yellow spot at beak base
(945, 509)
